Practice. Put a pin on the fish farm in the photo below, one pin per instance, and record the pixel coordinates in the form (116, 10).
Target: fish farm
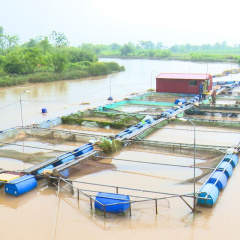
(126, 135)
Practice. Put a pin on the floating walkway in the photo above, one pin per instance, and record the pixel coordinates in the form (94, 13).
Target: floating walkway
(59, 166)
(216, 182)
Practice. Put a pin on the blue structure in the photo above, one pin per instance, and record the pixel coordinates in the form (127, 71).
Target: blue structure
(232, 158)
(210, 192)
(180, 100)
(21, 185)
(114, 203)
(217, 180)
(226, 168)
(44, 110)
(40, 171)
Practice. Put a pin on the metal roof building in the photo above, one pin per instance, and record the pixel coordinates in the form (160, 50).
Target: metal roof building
(182, 82)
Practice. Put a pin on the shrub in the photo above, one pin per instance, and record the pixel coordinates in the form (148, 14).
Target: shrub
(98, 69)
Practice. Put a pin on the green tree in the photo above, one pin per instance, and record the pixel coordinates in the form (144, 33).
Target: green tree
(2, 38)
(58, 39)
(2, 61)
(127, 49)
(147, 45)
(11, 40)
(44, 45)
(79, 55)
(15, 62)
(32, 58)
(59, 61)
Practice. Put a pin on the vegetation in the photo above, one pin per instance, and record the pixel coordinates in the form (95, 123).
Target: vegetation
(147, 49)
(47, 59)
(108, 146)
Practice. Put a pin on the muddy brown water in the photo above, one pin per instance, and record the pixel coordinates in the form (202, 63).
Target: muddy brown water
(207, 135)
(45, 214)
(63, 97)
(99, 131)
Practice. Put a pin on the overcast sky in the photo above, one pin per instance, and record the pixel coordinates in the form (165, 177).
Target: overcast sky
(111, 21)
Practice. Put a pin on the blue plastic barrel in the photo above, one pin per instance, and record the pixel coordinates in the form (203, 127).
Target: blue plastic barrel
(221, 83)
(83, 149)
(21, 185)
(220, 178)
(44, 110)
(65, 173)
(233, 158)
(121, 201)
(228, 168)
(182, 100)
(140, 125)
(45, 168)
(209, 191)
(67, 157)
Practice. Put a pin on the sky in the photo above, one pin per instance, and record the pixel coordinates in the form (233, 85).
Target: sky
(110, 21)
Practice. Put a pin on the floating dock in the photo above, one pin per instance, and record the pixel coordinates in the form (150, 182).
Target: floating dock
(58, 166)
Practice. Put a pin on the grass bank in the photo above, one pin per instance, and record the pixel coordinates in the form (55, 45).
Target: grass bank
(95, 69)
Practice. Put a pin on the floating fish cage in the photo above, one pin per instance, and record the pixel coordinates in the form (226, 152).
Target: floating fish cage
(112, 202)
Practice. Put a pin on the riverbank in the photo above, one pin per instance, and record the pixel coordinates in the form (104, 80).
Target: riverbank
(198, 57)
(95, 69)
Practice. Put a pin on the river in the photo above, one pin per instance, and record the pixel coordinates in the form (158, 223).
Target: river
(46, 214)
(64, 97)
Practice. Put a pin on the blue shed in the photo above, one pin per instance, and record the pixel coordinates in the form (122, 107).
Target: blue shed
(120, 202)
(21, 185)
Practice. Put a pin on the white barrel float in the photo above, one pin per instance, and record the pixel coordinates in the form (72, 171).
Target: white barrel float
(232, 158)
(115, 203)
(21, 185)
(218, 178)
(228, 168)
(210, 192)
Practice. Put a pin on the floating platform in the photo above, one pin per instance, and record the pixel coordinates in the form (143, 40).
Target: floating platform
(112, 202)
(21, 185)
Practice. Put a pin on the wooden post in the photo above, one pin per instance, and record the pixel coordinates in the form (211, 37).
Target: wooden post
(78, 194)
(130, 209)
(91, 202)
(104, 211)
(117, 190)
(156, 206)
(72, 189)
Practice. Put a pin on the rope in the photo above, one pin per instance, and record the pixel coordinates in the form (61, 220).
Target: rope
(57, 211)
(9, 105)
(23, 145)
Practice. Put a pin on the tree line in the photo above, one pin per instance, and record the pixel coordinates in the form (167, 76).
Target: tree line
(47, 58)
(147, 49)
